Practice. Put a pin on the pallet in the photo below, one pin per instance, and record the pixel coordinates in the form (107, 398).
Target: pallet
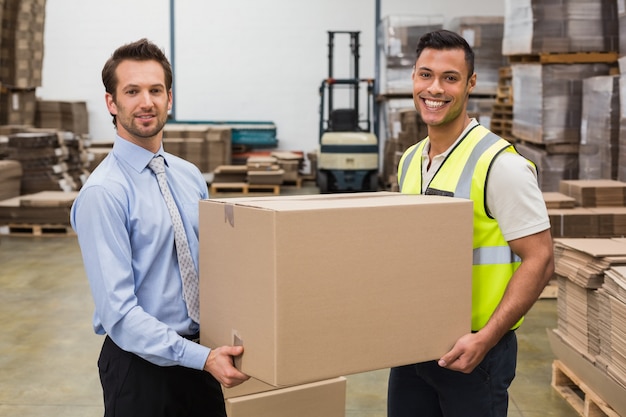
(586, 402)
(550, 291)
(243, 187)
(566, 58)
(45, 230)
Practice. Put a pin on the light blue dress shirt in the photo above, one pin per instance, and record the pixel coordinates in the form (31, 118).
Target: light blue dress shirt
(127, 243)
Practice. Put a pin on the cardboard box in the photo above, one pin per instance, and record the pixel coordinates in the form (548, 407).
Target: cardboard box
(319, 286)
(318, 399)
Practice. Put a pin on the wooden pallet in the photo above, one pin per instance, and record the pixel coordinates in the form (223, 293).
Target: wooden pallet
(550, 291)
(566, 58)
(46, 230)
(586, 402)
(243, 187)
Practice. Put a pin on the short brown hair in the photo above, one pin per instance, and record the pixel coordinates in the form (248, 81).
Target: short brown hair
(141, 50)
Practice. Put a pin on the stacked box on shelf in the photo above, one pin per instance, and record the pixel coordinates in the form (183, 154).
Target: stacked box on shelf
(559, 26)
(78, 159)
(22, 43)
(44, 207)
(17, 105)
(43, 157)
(484, 34)
(599, 129)
(399, 36)
(70, 116)
(10, 179)
(205, 145)
(548, 100)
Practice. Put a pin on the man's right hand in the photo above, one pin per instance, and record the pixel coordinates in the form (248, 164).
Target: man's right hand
(220, 365)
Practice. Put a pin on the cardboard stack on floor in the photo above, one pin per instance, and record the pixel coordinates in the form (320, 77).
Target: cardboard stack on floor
(299, 282)
(588, 219)
(588, 208)
(589, 338)
(206, 146)
(261, 171)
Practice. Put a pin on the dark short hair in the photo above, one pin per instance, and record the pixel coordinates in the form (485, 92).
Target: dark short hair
(446, 39)
(141, 50)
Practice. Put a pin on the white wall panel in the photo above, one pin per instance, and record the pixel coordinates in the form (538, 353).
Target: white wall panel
(259, 60)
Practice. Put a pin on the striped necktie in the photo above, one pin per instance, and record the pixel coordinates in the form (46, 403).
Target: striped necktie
(188, 272)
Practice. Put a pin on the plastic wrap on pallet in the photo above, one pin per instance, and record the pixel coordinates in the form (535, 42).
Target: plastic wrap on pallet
(562, 26)
(622, 32)
(552, 167)
(599, 128)
(399, 35)
(484, 34)
(621, 173)
(398, 39)
(548, 100)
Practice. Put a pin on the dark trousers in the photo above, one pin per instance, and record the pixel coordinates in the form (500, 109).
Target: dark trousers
(427, 390)
(134, 387)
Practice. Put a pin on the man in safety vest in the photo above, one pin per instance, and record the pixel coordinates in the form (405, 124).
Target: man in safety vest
(513, 253)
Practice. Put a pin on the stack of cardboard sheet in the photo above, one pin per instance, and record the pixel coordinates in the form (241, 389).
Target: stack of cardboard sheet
(10, 179)
(43, 157)
(595, 193)
(599, 209)
(578, 316)
(230, 173)
(536, 26)
(264, 170)
(291, 163)
(557, 200)
(205, 145)
(71, 116)
(583, 261)
(46, 207)
(585, 270)
(613, 351)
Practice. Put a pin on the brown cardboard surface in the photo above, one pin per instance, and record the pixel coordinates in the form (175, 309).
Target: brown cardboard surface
(318, 399)
(594, 377)
(251, 386)
(320, 286)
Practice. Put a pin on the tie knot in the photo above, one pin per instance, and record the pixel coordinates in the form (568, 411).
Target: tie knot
(157, 164)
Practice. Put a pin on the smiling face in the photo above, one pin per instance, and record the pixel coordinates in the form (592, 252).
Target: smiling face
(441, 86)
(140, 103)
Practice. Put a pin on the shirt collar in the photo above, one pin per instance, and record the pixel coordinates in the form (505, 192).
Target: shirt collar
(134, 155)
(473, 122)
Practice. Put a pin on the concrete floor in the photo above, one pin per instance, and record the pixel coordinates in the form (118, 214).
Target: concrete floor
(48, 351)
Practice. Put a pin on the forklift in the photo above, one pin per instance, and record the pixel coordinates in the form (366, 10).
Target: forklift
(348, 151)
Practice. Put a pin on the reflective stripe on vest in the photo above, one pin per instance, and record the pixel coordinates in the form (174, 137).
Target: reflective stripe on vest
(494, 255)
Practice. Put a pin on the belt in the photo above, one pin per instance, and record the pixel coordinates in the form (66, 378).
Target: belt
(193, 337)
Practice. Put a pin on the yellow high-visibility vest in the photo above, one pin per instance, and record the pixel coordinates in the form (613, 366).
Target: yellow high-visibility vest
(464, 173)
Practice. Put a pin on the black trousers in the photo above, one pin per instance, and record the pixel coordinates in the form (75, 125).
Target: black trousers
(134, 387)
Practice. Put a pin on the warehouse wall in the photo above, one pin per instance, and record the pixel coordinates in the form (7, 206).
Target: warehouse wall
(260, 60)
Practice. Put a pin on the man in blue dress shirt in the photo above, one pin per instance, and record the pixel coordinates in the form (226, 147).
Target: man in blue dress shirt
(150, 363)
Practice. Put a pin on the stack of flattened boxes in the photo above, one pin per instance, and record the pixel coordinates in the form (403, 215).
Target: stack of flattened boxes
(205, 145)
(552, 48)
(21, 51)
